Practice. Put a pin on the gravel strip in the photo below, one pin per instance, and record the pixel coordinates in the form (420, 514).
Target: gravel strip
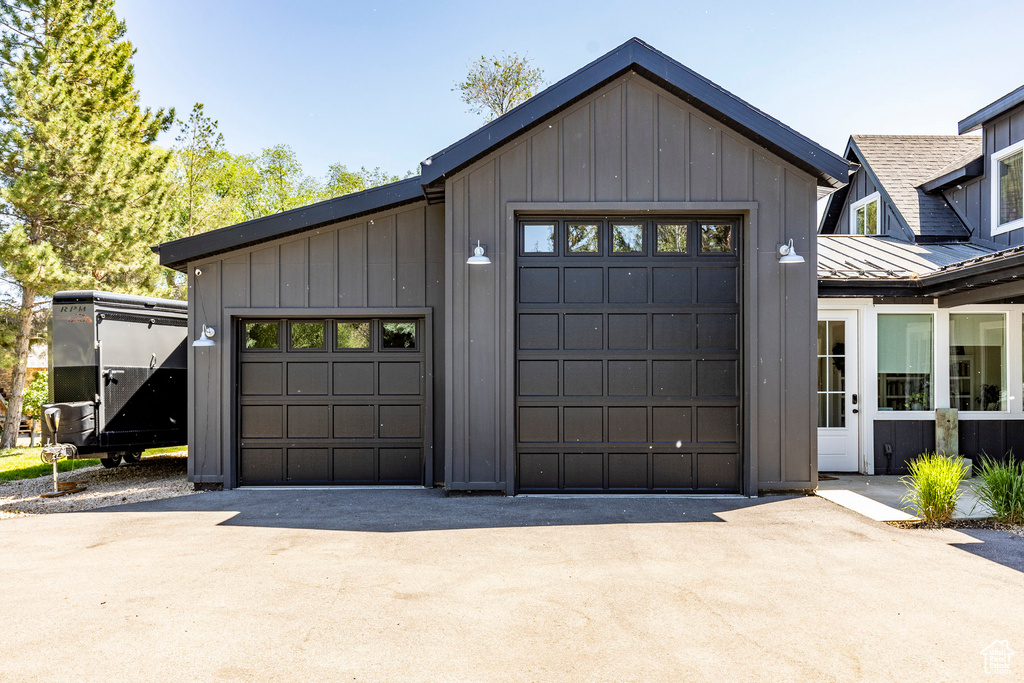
(156, 477)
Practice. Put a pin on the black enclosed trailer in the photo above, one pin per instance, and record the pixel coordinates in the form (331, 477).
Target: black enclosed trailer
(118, 373)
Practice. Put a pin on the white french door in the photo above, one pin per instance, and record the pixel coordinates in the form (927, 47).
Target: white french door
(838, 394)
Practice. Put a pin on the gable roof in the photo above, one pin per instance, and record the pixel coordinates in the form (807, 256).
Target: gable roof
(991, 111)
(899, 165)
(830, 170)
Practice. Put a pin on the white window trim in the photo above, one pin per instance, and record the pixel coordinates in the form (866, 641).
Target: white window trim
(1014, 317)
(873, 197)
(994, 158)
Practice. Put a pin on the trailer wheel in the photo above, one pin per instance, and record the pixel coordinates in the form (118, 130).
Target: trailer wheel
(112, 460)
(132, 457)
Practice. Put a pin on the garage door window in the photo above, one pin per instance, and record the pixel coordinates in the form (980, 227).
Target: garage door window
(583, 238)
(672, 238)
(398, 335)
(628, 238)
(539, 239)
(308, 335)
(715, 238)
(354, 335)
(261, 335)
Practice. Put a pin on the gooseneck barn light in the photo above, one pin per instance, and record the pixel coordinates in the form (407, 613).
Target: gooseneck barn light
(787, 254)
(205, 337)
(478, 258)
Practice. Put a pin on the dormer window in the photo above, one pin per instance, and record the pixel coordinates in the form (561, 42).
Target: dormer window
(1008, 189)
(864, 215)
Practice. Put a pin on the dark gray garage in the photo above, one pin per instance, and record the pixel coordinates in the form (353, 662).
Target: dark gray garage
(338, 401)
(630, 326)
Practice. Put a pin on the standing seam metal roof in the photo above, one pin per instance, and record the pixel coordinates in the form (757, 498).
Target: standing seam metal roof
(859, 257)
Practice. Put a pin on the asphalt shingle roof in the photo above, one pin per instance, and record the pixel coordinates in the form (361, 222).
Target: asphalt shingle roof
(903, 162)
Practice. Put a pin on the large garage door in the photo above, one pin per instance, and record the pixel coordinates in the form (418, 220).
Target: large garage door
(331, 401)
(628, 362)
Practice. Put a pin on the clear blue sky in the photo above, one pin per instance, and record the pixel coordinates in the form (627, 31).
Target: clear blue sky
(370, 83)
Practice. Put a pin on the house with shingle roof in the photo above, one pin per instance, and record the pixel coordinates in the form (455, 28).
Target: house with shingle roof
(921, 296)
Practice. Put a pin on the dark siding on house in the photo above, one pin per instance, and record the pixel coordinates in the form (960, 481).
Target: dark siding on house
(966, 201)
(998, 134)
(629, 142)
(394, 259)
(910, 438)
(861, 186)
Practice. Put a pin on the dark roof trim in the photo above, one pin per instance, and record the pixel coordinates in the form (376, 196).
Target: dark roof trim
(178, 253)
(635, 55)
(969, 171)
(989, 112)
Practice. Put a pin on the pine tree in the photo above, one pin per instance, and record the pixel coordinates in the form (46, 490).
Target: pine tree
(83, 189)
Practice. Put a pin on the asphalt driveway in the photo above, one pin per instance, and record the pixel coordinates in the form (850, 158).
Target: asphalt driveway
(409, 585)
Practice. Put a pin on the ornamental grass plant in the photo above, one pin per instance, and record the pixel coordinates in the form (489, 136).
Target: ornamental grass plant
(933, 485)
(1001, 487)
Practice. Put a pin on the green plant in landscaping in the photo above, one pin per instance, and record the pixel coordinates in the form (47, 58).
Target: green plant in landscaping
(933, 485)
(1001, 487)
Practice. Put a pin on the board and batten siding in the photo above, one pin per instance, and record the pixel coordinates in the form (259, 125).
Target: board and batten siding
(862, 186)
(966, 201)
(390, 260)
(999, 134)
(634, 144)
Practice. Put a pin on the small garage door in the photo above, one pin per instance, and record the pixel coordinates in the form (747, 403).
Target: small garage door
(331, 401)
(628, 361)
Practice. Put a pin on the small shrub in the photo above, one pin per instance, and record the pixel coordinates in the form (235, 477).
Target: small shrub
(933, 485)
(1001, 487)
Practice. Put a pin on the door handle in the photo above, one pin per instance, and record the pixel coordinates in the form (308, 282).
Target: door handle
(855, 411)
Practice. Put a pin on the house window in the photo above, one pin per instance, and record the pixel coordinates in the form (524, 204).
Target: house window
(831, 373)
(905, 361)
(1008, 189)
(864, 215)
(977, 361)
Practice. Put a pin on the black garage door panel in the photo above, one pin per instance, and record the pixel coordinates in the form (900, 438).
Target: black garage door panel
(628, 362)
(311, 412)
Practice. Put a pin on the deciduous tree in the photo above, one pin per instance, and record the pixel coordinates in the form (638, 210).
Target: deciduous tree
(496, 85)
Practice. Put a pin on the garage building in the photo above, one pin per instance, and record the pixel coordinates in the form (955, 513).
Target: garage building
(636, 325)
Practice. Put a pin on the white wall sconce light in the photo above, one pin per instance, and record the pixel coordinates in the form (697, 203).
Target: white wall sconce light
(787, 254)
(478, 258)
(205, 337)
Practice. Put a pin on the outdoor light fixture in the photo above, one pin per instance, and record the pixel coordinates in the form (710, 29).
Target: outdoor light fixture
(205, 337)
(787, 254)
(478, 258)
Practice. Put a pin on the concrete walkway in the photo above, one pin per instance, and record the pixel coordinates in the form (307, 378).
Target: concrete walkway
(880, 497)
(412, 586)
